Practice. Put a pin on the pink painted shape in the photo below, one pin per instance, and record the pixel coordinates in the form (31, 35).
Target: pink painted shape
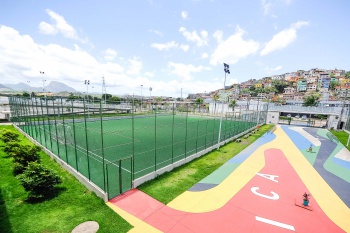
(238, 215)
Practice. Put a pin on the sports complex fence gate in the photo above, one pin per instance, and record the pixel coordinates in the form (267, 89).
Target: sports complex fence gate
(115, 145)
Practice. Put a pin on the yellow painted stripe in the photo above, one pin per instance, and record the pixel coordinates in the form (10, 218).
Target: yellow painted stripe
(139, 225)
(215, 198)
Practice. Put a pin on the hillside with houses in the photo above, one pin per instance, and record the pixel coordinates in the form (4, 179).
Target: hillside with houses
(326, 85)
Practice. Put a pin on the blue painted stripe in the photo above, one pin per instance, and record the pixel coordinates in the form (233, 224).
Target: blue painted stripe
(299, 140)
(343, 163)
(244, 154)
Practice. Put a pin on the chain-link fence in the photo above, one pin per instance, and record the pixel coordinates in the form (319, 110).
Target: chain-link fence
(114, 143)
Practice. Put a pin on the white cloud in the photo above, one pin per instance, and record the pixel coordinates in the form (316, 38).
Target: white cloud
(185, 47)
(167, 46)
(233, 48)
(21, 59)
(199, 40)
(110, 54)
(269, 70)
(218, 36)
(59, 25)
(149, 74)
(184, 70)
(283, 38)
(135, 66)
(269, 5)
(204, 56)
(159, 33)
(184, 14)
(170, 45)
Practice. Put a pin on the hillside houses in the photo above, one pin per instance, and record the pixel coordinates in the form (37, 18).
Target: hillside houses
(328, 84)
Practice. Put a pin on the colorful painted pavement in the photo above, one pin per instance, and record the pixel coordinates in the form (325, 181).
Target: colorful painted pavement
(259, 190)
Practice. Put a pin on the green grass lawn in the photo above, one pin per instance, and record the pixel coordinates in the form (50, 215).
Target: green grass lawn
(170, 185)
(72, 205)
(342, 137)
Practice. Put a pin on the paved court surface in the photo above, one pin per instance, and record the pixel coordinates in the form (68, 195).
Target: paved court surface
(259, 190)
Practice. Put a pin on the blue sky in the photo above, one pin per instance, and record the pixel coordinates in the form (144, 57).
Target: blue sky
(168, 45)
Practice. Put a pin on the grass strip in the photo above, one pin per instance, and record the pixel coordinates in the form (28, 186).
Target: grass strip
(171, 184)
(342, 137)
(72, 205)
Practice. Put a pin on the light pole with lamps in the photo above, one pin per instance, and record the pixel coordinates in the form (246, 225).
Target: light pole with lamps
(87, 83)
(42, 76)
(93, 97)
(141, 97)
(227, 71)
(150, 97)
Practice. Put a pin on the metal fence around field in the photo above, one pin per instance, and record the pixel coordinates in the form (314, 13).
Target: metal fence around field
(112, 144)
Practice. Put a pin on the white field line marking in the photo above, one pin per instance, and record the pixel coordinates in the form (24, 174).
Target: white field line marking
(278, 224)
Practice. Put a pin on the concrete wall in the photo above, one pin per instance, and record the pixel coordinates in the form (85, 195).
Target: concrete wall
(272, 117)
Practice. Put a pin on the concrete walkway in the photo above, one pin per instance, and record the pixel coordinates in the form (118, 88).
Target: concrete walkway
(259, 190)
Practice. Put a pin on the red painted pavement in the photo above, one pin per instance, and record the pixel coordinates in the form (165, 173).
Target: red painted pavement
(241, 212)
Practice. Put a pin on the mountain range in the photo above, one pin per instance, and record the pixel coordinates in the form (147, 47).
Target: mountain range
(53, 86)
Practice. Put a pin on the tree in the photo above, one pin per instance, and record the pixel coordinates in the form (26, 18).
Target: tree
(23, 155)
(233, 104)
(199, 101)
(106, 96)
(38, 180)
(114, 98)
(311, 100)
(347, 74)
(26, 94)
(280, 86)
(333, 84)
(216, 97)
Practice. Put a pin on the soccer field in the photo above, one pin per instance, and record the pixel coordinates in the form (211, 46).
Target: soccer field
(152, 141)
(112, 144)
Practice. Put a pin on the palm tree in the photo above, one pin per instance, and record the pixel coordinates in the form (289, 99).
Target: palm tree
(216, 97)
(233, 104)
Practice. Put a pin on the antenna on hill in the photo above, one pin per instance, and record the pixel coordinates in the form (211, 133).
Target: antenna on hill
(104, 91)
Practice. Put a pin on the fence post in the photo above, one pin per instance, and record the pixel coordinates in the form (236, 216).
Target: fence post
(102, 149)
(186, 131)
(87, 142)
(64, 132)
(120, 177)
(75, 139)
(172, 136)
(155, 141)
(57, 139)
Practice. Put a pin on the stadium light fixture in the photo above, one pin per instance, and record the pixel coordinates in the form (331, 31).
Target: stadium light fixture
(227, 71)
(42, 77)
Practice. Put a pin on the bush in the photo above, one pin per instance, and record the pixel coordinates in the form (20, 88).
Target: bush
(10, 147)
(9, 135)
(38, 180)
(23, 155)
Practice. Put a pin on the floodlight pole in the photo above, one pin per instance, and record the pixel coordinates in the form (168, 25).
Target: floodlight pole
(227, 71)
(42, 77)
(87, 83)
(93, 97)
(150, 97)
(141, 96)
